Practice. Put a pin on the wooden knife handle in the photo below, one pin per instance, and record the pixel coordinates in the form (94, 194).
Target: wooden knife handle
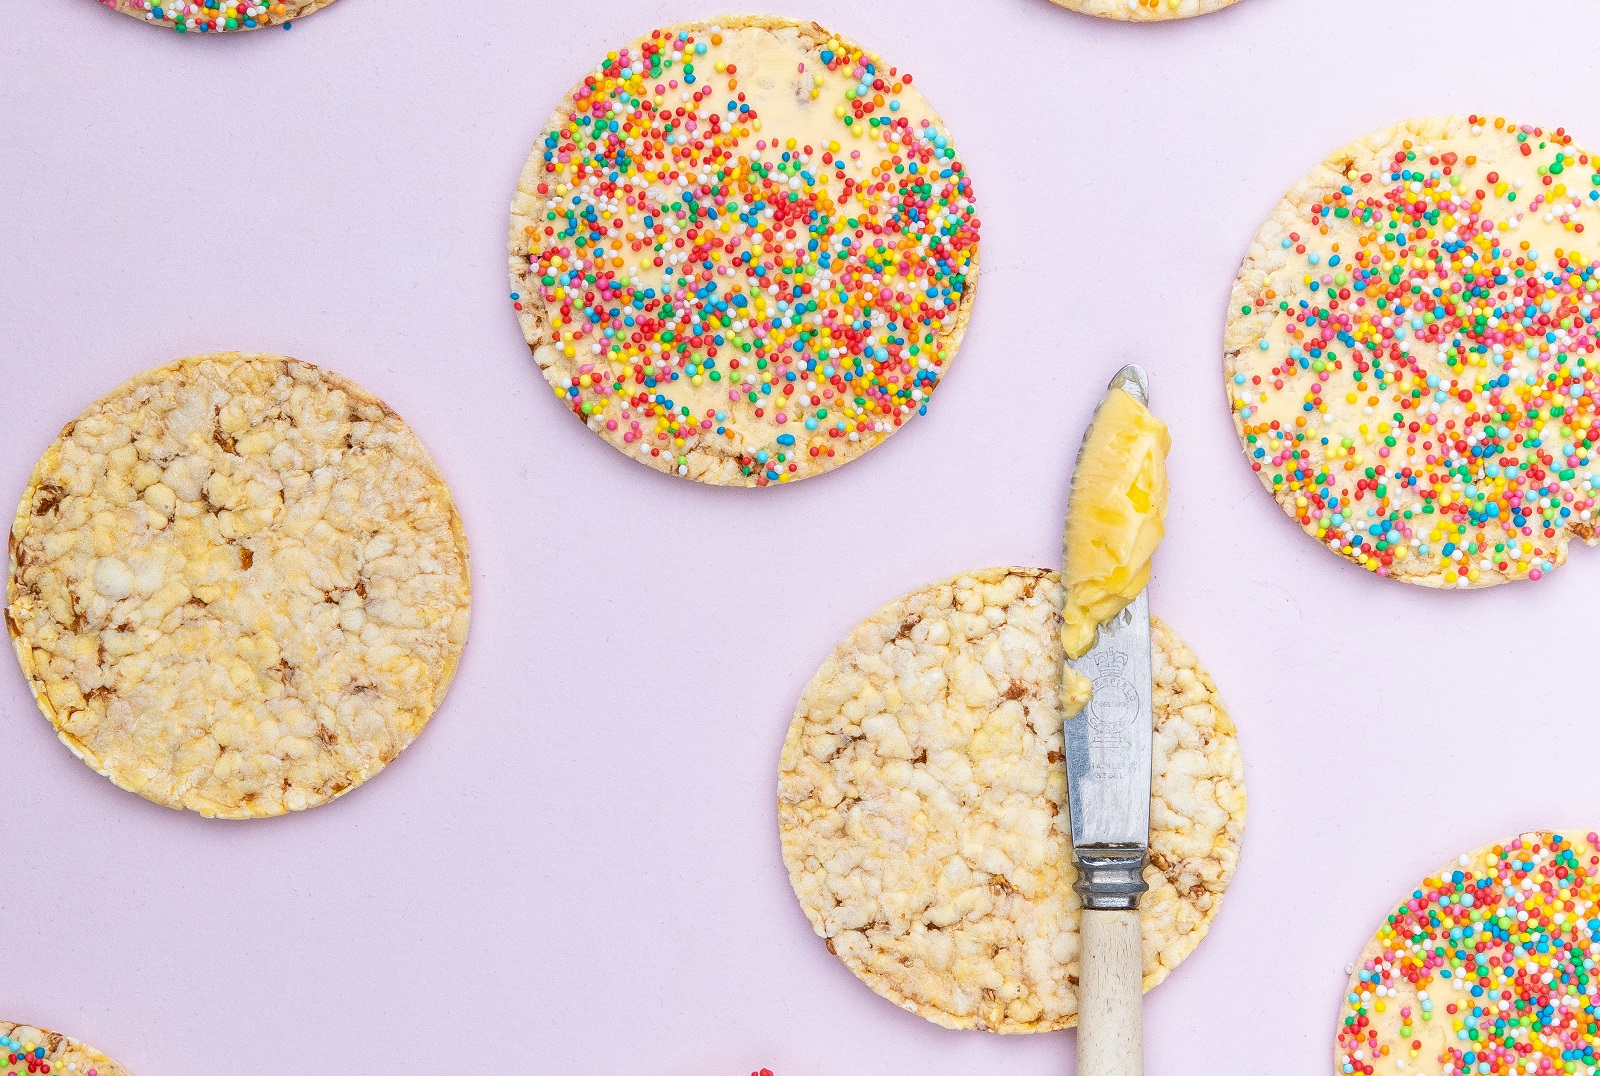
(1110, 994)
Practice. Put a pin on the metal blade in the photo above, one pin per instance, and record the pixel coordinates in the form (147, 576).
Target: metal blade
(1134, 381)
(1108, 742)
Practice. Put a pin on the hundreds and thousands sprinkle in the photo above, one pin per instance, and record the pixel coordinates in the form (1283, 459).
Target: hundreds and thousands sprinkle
(1487, 968)
(206, 16)
(1412, 354)
(747, 251)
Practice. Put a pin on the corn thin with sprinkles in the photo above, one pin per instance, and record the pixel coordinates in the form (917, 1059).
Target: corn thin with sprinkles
(744, 252)
(1487, 968)
(32, 1051)
(1410, 352)
(215, 16)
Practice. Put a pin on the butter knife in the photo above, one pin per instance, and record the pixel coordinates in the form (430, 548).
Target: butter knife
(1108, 749)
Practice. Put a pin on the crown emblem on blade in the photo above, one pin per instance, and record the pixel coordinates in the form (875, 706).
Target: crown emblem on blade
(1110, 663)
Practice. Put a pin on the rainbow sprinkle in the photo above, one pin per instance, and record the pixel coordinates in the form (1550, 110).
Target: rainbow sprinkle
(1488, 968)
(1438, 366)
(710, 285)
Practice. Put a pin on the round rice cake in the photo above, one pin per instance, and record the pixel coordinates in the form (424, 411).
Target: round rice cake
(1486, 967)
(922, 802)
(215, 16)
(1146, 10)
(1410, 351)
(744, 251)
(237, 585)
(25, 1051)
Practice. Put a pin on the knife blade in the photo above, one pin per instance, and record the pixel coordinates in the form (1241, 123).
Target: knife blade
(1108, 760)
(1108, 742)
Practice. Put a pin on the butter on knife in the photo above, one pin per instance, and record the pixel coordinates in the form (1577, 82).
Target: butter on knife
(1116, 517)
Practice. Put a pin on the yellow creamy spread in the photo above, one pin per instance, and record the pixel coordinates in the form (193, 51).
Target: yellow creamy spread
(1115, 520)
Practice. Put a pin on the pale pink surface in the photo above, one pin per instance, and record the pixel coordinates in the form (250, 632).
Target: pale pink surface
(576, 869)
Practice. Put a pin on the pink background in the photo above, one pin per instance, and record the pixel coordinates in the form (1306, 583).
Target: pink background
(576, 869)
